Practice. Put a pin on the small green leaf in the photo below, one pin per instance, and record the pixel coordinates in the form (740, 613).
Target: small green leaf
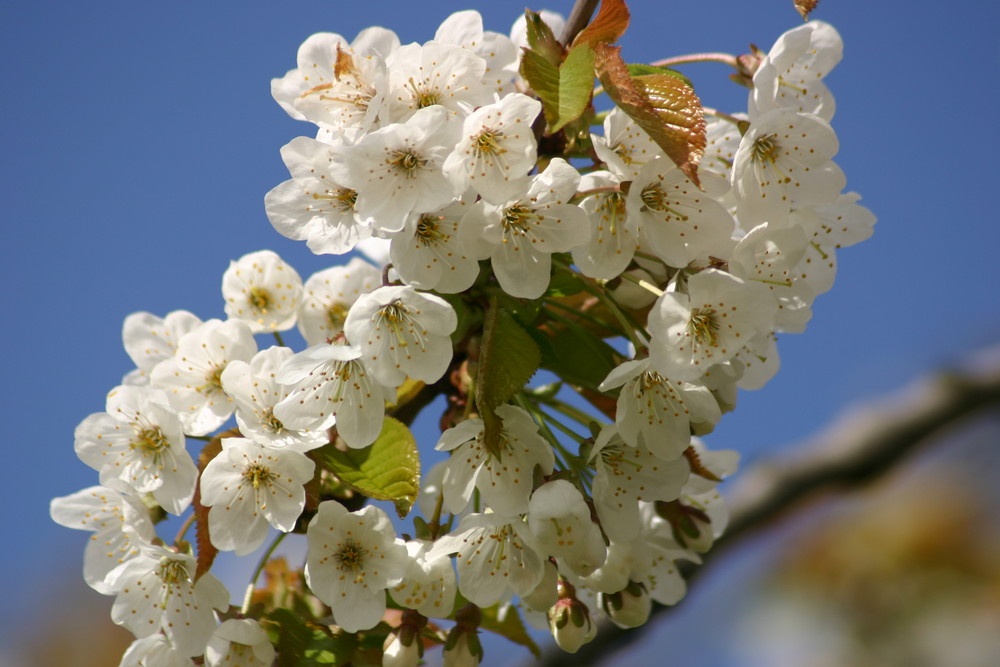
(508, 359)
(565, 89)
(301, 644)
(541, 39)
(389, 469)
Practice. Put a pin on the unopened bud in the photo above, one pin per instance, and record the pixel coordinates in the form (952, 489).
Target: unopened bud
(569, 620)
(628, 608)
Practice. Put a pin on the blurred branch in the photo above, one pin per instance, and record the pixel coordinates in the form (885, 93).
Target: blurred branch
(860, 446)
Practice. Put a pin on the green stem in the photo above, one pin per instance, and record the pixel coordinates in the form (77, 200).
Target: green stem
(574, 413)
(564, 457)
(644, 284)
(277, 337)
(581, 315)
(256, 573)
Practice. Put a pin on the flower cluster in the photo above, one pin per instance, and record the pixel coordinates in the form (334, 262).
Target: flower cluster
(507, 240)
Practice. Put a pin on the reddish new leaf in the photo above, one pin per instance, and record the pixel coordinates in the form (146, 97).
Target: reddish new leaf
(663, 105)
(805, 7)
(609, 24)
(206, 550)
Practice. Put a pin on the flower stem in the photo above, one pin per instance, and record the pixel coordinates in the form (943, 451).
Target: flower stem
(645, 284)
(277, 337)
(256, 573)
(724, 58)
(184, 528)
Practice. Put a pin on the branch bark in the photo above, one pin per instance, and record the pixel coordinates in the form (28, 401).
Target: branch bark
(862, 445)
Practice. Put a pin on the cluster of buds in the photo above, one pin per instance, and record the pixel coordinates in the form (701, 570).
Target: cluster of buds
(647, 268)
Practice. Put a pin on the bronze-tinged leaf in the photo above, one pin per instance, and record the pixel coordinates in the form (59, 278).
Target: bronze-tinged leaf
(805, 7)
(664, 105)
(608, 26)
(541, 40)
(206, 550)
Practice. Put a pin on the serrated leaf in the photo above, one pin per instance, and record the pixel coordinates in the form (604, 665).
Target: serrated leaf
(511, 627)
(206, 550)
(302, 644)
(805, 7)
(508, 358)
(388, 469)
(663, 105)
(608, 26)
(640, 69)
(541, 39)
(564, 90)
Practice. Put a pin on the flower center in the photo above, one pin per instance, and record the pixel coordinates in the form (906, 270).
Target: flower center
(351, 556)
(260, 299)
(172, 571)
(272, 423)
(257, 475)
(213, 380)
(655, 199)
(703, 326)
(150, 441)
(517, 219)
(765, 149)
(336, 315)
(488, 143)
(406, 164)
(424, 97)
(429, 230)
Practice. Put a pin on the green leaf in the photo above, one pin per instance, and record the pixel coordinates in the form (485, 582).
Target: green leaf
(541, 40)
(608, 26)
(579, 356)
(565, 89)
(511, 627)
(564, 283)
(507, 360)
(640, 69)
(389, 469)
(663, 105)
(302, 644)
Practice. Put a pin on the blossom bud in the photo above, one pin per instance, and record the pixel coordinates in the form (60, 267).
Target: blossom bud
(569, 620)
(692, 527)
(403, 647)
(462, 647)
(629, 607)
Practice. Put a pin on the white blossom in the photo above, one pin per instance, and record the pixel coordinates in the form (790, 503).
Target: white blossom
(119, 522)
(521, 235)
(429, 583)
(495, 555)
(353, 558)
(656, 412)
(330, 384)
(255, 391)
(402, 333)
(239, 643)
(626, 475)
(708, 325)
(427, 252)
(329, 294)
(248, 487)
(139, 440)
(421, 76)
(192, 378)
(497, 149)
(503, 477)
(559, 519)
(149, 339)
(157, 591)
(154, 651)
(396, 170)
(263, 291)
(314, 206)
(612, 242)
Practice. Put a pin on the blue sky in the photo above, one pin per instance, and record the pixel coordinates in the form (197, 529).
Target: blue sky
(138, 141)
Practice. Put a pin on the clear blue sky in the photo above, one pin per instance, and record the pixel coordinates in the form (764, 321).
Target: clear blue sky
(138, 140)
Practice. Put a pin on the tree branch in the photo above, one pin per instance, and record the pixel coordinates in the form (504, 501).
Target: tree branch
(579, 16)
(859, 447)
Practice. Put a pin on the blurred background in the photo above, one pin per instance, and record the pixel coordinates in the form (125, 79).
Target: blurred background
(137, 141)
